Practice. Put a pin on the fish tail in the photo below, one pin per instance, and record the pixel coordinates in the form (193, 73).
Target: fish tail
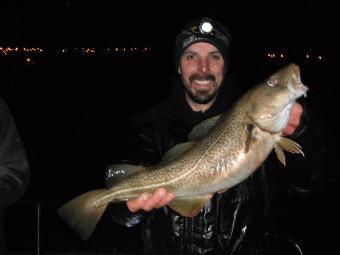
(82, 214)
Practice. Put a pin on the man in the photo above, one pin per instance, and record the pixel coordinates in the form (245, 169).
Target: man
(233, 221)
(14, 168)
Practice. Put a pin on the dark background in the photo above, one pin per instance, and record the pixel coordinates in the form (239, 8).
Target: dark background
(70, 108)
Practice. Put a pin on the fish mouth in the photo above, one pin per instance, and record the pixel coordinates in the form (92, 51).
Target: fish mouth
(297, 91)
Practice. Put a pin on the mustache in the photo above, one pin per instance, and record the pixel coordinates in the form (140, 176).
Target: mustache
(208, 77)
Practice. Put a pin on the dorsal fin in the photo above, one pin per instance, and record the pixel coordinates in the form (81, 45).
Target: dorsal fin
(198, 132)
(203, 128)
(177, 150)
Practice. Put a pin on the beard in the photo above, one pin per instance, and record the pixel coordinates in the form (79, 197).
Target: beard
(201, 97)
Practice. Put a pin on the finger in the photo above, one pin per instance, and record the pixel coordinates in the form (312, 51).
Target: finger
(153, 201)
(294, 119)
(166, 199)
(295, 114)
(298, 109)
(288, 130)
(137, 204)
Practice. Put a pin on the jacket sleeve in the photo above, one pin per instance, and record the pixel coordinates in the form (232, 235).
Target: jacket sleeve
(307, 174)
(14, 168)
(140, 149)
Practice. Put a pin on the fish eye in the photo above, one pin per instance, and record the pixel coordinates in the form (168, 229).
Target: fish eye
(271, 82)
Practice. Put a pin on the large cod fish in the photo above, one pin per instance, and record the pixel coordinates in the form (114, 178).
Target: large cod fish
(221, 152)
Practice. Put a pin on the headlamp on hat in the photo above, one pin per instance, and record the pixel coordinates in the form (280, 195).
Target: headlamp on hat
(206, 27)
(204, 30)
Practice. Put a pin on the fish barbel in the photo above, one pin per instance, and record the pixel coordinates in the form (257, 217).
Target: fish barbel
(220, 153)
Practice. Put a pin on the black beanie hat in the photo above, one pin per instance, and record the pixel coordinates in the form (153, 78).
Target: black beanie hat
(203, 30)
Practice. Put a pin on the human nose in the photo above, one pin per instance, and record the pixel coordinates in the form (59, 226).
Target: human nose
(203, 65)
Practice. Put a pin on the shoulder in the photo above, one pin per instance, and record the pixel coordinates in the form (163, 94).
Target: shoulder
(160, 113)
(3, 105)
(4, 110)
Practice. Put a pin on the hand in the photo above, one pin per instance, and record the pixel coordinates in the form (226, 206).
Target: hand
(294, 119)
(146, 201)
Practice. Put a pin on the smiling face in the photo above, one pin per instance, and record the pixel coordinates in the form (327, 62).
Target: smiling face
(202, 71)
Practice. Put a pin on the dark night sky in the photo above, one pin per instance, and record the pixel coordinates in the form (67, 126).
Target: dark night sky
(66, 23)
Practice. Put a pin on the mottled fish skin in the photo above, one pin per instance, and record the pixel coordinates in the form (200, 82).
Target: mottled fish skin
(234, 148)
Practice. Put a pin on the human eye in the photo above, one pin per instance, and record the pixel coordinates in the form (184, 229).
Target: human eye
(216, 57)
(190, 56)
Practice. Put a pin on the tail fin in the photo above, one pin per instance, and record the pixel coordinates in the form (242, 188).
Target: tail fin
(82, 214)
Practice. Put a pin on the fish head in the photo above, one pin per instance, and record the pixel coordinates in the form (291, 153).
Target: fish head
(272, 100)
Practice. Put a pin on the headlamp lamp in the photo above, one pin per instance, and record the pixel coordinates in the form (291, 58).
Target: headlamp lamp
(206, 27)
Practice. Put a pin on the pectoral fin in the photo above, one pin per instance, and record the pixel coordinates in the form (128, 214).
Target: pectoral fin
(189, 206)
(250, 136)
(280, 155)
(287, 145)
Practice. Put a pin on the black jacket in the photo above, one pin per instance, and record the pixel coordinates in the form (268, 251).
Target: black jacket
(14, 168)
(235, 222)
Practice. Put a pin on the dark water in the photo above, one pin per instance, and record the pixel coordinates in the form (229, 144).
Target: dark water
(70, 112)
